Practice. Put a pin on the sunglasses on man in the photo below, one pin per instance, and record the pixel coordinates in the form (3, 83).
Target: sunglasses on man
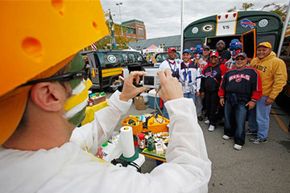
(239, 59)
(83, 74)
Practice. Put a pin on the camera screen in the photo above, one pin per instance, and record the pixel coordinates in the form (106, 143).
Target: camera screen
(149, 80)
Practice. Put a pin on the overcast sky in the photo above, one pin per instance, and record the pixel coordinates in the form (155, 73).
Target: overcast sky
(162, 17)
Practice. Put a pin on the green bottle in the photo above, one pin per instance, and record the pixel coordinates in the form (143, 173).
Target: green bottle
(150, 144)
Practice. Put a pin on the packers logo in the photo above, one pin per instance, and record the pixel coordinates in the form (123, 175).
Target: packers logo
(207, 28)
(111, 58)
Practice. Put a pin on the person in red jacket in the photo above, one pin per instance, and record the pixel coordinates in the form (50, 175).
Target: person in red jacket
(211, 77)
(241, 87)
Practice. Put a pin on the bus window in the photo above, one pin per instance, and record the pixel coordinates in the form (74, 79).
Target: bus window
(159, 58)
(125, 58)
(211, 41)
(101, 59)
(192, 43)
(131, 58)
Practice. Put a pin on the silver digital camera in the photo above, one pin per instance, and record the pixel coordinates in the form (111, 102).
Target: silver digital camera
(151, 80)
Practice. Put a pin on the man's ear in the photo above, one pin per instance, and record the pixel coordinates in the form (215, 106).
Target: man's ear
(48, 96)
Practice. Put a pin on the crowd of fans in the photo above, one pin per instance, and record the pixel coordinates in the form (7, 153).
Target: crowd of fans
(227, 86)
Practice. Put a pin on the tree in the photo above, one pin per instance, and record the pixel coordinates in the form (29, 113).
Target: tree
(232, 9)
(278, 9)
(272, 7)
(246, 6)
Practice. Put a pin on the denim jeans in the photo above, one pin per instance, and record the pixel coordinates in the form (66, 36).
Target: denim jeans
(240, 113)
(252, 120)
(198, 104)
(263, 117)
(190, 96)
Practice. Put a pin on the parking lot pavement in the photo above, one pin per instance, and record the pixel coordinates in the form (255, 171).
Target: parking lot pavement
(263, 168)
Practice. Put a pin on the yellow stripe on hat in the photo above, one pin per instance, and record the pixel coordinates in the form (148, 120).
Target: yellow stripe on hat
(79, 98)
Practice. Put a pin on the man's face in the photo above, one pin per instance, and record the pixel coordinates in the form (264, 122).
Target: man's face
(186, 57)
(172, 55)
(263, 52)
(213, 60)
(205, 52)
(240, 61)
(220, 46)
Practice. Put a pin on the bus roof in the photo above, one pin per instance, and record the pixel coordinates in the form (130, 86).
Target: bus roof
(268, 27)
(262, 21)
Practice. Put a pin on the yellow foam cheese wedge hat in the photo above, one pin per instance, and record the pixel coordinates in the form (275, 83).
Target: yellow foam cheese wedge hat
(37, 39)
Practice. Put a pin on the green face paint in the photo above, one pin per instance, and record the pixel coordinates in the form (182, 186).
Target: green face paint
(77, 64)
(77, 119)
(75, 106)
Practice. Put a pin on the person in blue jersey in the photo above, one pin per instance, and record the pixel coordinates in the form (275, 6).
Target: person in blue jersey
(189, 76)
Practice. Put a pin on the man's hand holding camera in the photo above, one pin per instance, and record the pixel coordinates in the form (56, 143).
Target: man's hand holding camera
(129, 90)
(169, 87)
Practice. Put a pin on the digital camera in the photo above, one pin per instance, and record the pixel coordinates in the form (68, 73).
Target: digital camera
(151, 80)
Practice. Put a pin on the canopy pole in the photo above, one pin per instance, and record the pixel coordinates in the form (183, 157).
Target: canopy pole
(284, 30)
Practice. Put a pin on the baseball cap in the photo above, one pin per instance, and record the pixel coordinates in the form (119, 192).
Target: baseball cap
(242, 54)
(214, 53)
(221, 42)
(171, 50)
(265, 44)
(206, 47)
(186, 51)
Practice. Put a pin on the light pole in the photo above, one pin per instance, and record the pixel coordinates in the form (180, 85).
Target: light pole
(119, 5)
(181, 25)
(111, 24)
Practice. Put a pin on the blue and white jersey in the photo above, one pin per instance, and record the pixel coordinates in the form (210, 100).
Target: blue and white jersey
(189, 76)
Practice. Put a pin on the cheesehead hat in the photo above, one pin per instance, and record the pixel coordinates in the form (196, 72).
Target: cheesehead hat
(37, 40)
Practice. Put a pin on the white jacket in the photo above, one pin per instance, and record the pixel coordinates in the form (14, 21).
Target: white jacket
(71, 169)
(173, 65)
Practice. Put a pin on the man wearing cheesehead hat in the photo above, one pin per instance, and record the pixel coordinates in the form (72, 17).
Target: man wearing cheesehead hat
(274, 76)
(43, 94)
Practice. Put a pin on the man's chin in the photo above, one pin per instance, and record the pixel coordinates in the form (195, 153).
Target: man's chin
(261, 57)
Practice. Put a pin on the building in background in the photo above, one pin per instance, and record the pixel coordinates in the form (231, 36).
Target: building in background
(120, 35)
(133, 30)
(162, 44)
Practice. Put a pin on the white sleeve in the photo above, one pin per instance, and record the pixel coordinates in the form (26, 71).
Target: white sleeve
(187, 170)
(164, 65)
(188, 167)
(91, 135)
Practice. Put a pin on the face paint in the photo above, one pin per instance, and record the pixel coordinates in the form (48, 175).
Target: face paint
(75, 106)
(77, 64)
